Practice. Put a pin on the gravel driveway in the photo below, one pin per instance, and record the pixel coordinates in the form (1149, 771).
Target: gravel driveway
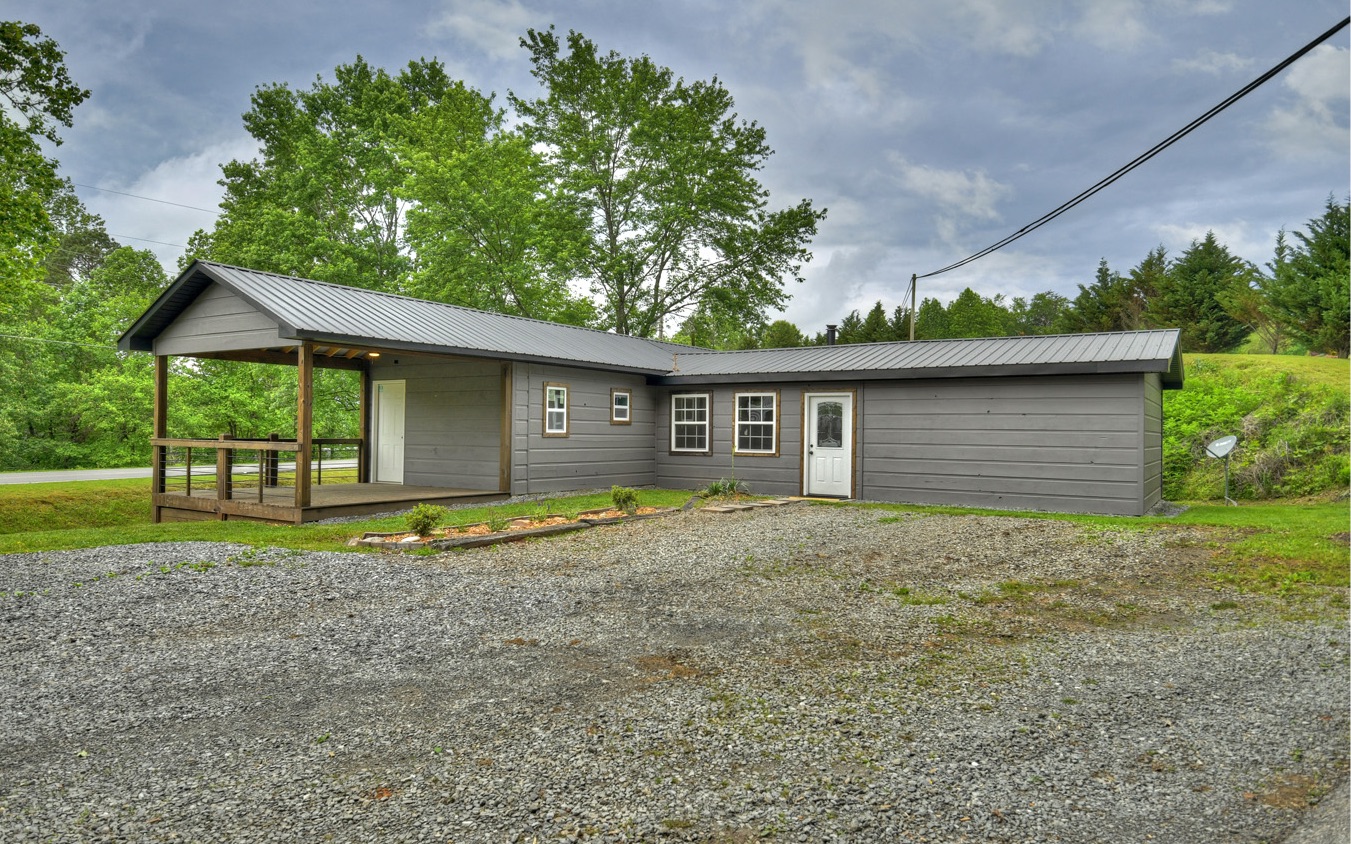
(810, 673)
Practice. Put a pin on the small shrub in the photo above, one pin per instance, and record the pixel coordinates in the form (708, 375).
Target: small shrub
(725, 488)
(624, 498)
(424, 518)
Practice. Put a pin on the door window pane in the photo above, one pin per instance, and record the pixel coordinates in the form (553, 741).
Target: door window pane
(829, 424)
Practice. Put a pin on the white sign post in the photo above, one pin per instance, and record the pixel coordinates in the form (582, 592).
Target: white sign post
(1221, 448)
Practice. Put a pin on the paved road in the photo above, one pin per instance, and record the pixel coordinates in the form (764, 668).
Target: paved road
(65, 475)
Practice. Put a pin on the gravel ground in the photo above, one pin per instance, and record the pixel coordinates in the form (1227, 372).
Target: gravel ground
(803, 674)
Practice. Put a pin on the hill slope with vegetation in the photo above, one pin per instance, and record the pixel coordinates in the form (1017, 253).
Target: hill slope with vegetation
(1290, 415)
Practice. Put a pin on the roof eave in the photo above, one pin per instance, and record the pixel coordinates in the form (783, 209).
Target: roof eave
(1005, 370)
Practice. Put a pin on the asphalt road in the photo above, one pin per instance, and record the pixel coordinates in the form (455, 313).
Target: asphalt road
(66, 475)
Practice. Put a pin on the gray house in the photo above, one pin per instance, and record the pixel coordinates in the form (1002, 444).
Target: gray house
(459, 403)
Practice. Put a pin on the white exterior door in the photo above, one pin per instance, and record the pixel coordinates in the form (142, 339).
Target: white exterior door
(829, 442)
(389, 409)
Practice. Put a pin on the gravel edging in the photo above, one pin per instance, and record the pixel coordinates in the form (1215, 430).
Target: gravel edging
(761, 675)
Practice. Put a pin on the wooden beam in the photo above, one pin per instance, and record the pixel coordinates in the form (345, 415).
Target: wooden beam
(304, 422)
(280, 358)
(159, 423)
(364, 427)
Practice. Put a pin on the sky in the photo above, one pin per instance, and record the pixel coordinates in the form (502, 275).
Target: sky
(928, 130)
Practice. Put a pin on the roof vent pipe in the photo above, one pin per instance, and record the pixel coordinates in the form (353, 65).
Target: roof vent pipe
(830, 334)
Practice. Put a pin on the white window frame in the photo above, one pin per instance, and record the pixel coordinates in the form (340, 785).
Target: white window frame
(616, 418)
(773, 401)
(555, 418)
(706, 424)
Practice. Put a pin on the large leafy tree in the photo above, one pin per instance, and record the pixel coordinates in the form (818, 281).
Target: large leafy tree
(484, 227)
(1308, 288)
(323, 198)
(1191, 296)
(37, 97)
(661, 175)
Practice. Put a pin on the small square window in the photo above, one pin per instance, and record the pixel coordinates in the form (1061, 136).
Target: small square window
(555, 410)
(621, 407)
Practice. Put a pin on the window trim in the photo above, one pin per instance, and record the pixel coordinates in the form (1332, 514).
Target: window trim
(628, 406)
(707, 423)
(737, 423)
(567, 409)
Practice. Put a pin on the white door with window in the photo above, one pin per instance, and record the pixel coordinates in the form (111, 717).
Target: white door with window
(389, 413)
(829, 459)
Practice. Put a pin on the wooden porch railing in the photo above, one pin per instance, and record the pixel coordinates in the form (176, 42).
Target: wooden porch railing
(172, 476)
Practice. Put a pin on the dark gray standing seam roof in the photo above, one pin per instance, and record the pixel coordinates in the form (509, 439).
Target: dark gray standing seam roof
(330, 313)
(1124, 351)
(314, 310)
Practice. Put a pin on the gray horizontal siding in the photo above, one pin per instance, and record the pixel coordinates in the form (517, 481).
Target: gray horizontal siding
(763, 474)
(1153, 443)
(452, 421)
(1066, 443)
(595, 453)
(218, 321)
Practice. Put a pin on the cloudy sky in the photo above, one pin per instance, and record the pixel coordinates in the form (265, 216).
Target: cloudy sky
(928, 129)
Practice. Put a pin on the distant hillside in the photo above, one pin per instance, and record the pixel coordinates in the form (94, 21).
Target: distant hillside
(1291, 417)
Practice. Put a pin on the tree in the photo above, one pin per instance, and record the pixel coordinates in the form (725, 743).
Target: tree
(660, 174)
(782, 334)
(81, 245)
(1308, 289)
(931, 321)
(37, 97)
(484, 228)
(1040, 315)
(1102, 306)
(1190, 297)
(323, 200)
(972, 315)
(876, 328)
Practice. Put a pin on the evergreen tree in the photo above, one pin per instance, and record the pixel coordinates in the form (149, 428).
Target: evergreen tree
(876, 328)
(1191, 297)
(1308, 289)
(1041, 315)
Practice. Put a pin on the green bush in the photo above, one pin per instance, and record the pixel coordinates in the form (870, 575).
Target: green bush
(624, 499)
(1292, 433)
(424, 518)
(726, 487)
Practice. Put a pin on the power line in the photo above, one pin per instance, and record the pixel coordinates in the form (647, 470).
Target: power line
(145, 240)
(149, 199)
(1139, 160)
(59, 342)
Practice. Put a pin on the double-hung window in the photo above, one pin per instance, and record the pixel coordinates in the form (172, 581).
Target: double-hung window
(757, 423)
(689, 422)
(621, 407)
(555, 410)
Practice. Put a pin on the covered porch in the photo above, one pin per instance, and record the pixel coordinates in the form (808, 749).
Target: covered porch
(286, 480)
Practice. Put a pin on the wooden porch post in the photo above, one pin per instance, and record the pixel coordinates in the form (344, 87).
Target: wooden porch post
(364, 427)
(159, 426)
(304, 425)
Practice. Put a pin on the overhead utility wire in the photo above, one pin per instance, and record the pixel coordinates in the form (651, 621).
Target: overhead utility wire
(1153, 151)
(149, 199)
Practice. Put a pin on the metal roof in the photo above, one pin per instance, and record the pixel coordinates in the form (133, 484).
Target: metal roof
(1121, 351)
(314, 310)
(322, 312)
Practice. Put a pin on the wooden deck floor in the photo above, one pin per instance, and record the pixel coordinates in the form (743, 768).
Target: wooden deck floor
(326, 501)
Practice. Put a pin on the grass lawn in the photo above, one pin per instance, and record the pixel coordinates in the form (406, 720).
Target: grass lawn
(1331, 372)
(1275, 547)
(62, 516)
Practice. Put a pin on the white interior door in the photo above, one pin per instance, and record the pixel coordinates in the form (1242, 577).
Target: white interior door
(389, 413)
(829, 457)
